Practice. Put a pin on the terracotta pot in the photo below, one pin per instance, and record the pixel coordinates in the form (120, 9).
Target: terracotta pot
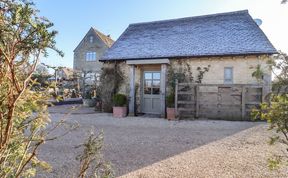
(171, 113)
(119, 111)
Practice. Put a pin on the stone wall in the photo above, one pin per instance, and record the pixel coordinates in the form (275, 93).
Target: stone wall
(85, 46)
(243, 67)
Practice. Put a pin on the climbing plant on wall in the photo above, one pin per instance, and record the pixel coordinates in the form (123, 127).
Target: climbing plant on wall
(183, 73)
(111, 79)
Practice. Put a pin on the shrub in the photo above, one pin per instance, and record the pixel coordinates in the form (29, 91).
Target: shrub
(88, 95)
(170, 100)
(110, 80)
(275, 110)
(91, 159)
(119, 100)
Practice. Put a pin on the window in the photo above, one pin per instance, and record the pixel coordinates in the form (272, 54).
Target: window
(152, 83)
(91, 39)
(91, 56)
(97, 76)
(228, 75)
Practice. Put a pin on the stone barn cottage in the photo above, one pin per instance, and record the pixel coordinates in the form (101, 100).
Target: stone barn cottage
(232, 44)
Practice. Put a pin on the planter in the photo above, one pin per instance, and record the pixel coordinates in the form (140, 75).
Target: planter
(119, 112)
(171, 113)
(89, 102)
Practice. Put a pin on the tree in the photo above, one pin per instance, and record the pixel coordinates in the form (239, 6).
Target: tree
(24, 36)
(284, 1)
(258, 73)
(41, 70)
(275, 111)
(40, 76)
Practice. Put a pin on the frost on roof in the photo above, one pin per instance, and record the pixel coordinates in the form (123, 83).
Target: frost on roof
(232, 33)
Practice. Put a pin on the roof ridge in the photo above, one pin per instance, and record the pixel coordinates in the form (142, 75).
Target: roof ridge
(192, 17)
(106, 40)
(98, 32)
(103, 37)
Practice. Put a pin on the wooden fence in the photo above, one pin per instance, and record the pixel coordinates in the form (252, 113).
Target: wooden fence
(217, 101)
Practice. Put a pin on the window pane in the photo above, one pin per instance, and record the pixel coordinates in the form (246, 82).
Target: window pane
(87, 56)
(156, 83)
(147, 90)
(156, 75)
(91, 56)
(228, 75)
(91, 39)
(156, 91)
(148, 75)
(148, 83)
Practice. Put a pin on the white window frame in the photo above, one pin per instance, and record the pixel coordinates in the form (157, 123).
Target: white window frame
(91, 56)
(230, 80)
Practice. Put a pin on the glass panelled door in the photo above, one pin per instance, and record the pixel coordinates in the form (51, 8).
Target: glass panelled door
(151, 92)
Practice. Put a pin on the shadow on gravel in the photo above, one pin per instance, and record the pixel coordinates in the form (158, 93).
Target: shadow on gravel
(133, 142)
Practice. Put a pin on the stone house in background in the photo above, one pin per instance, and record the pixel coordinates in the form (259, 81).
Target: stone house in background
(88, 52)
(232, 44)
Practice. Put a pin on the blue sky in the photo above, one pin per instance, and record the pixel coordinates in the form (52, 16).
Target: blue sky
(73, 18)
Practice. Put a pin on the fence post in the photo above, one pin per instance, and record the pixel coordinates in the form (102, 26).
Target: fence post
(196, 101)
(243, 97)
(176, 97)
(263, 93)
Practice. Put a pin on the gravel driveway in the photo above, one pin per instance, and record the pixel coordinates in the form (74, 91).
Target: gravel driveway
(133, 142)
(242, 155)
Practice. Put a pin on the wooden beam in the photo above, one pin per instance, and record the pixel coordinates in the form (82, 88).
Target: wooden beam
(263, 93)
(163, 89)
(196, 100)
(176, 98)
(243, 102)
(132, 91)
(148, 61)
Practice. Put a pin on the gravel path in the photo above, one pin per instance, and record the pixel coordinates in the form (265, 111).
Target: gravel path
(131, 143)
(242, 155)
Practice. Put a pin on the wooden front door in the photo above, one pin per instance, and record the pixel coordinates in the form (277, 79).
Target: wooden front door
(151, 102)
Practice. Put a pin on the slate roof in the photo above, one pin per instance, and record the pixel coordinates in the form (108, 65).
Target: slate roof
(106, 39)
(232, 33)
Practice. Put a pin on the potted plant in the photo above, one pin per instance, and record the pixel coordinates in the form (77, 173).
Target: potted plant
(88, 100)
(171, 112)
(120, 105)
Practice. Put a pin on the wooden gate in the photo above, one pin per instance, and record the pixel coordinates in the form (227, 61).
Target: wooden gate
(217, 101)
